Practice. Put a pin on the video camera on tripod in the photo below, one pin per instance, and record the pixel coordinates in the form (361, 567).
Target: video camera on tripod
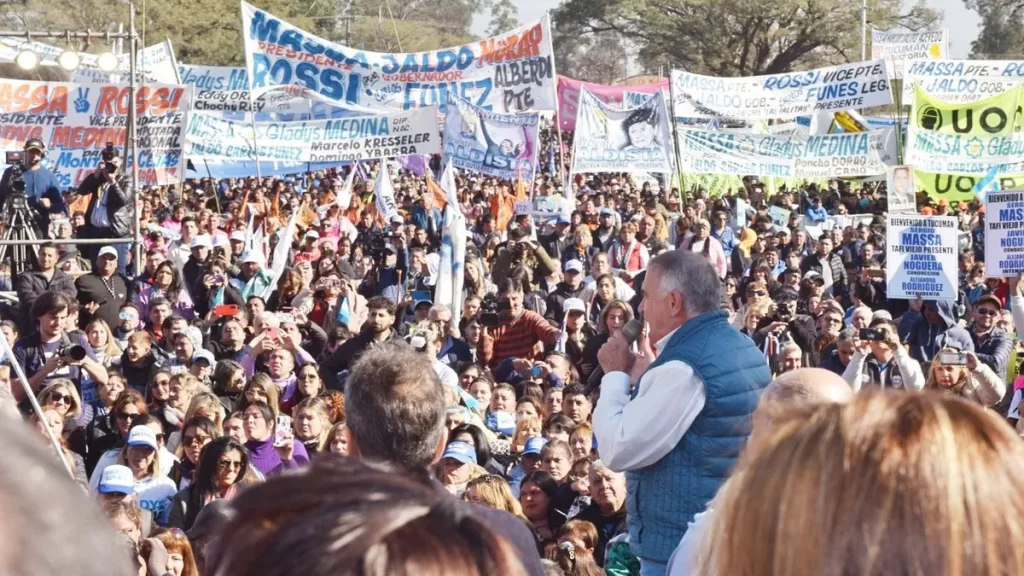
(17, 199)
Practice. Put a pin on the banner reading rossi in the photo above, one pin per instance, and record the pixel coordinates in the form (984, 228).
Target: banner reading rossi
(511, 73)
(832, 89)
(1004, 234)
(921, 257)
(382, 136)
(76, 122)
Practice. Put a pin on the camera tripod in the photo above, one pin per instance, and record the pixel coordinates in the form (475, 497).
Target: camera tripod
(20, 227)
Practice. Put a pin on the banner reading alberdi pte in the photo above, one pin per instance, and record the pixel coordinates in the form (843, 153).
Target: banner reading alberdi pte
(921, 257)
(336, 140)
(501, 145)
(780, 96)
(76, 121)
(510, 73)
(612, 140)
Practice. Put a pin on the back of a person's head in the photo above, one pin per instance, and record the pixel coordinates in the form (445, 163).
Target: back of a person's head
(345, 517)
(886, 484)
(49, 524)
(395, 407)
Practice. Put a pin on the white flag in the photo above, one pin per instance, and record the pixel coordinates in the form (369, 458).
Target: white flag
(452, 264)
(385, 193)
(345, 194)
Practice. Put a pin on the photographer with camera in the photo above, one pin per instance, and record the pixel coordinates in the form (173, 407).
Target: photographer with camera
(880, 361)
(390, 266)
(27, 176)
(109, 214)
(49, 352)
(785, 326)
(511, 331)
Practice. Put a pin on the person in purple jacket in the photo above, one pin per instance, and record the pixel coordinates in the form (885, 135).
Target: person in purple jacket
(270, 459)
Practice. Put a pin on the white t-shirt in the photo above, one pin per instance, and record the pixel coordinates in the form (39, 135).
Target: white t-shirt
(155, 494)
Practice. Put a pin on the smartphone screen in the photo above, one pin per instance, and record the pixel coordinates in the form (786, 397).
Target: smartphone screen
(226, 310)
(283, 432)
(953, 359)
(419, 295)
(273, 333)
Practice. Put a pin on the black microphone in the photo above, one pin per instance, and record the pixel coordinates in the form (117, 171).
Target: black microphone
(631, 332)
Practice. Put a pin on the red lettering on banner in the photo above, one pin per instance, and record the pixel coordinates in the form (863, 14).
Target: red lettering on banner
(38, 100)
(86, 137)
(19, 134)
(148, 101)
(512, 47)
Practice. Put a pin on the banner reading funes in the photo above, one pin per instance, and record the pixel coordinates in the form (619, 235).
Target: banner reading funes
(1004, 234)
(338, 140)
(961, 80)
(510, 73)
(921, 257)
(612, 140)
(501, 145)
(781, 96)
(898, 47)
(76, 122)
(828, 156)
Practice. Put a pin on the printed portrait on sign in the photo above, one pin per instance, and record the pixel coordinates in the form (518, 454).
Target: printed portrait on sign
(641, 129)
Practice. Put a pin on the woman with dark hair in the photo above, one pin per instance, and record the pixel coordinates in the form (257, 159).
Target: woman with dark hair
(309, 384)
(475, 437)
(604, 292)
(110, 431)
(213, 289)
(641, 128)
(195, 434)
(270, 459)
(167, 284)
(535, 494)
(222, 469)
(614, 316)
(228, 384)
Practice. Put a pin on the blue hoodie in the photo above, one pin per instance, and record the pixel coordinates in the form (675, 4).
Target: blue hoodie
(925, 340)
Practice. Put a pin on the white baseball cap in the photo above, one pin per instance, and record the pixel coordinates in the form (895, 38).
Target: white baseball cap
(117, 479)
(142, 436)
(107, 251)
(202, 241)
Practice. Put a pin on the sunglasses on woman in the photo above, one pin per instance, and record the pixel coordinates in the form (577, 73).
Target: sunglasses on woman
(235, 465)
(56, 397)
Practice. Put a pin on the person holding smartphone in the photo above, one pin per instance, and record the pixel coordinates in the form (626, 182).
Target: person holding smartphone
(963, 374)
(881, 362)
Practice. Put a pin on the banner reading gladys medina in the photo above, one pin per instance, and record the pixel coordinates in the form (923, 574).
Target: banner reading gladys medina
(569, 96)
(510, 73)
(501, 145)
(338, 140)
(921, 257)
(828, 156)
(898, 47)
(961, 80)
(781, 96)
(76, 121)
(612, 140)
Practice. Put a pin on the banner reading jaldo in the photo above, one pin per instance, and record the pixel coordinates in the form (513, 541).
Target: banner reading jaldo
(612, 140)
(511, 73)
(781, 96)
(921, 257)
(898, 47)
(961, 80)
(76, 121)
(338, 140)
(1004, 234)
(569, 96)
(501, 145)
(829, 156)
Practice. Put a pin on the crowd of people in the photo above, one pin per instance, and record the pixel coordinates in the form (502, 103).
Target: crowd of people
(234, 408)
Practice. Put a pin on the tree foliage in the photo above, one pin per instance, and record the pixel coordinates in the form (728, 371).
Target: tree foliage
(504, 17)
(597, 57)
(738, 37)
(1002, 29)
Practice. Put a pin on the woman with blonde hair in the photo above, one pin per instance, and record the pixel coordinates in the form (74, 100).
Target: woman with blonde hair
(50, 417)
(493, 491)
(62, 395)
(102, 342)
(312, 424)
(614, 316)
(887, 484)
(206, 405)
(261, 388)
(971, 380)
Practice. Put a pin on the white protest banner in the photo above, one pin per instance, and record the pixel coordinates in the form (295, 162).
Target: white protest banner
(921, 257)
(226, 89)
(611, 140)
(961, 80)
(1004, 234)
(897, 47)
(501, 145)
(340, 140)
(829, 156)
(900, 189)
(782, 96)
(384, 193)
(510, 73)
(76, 121)
(155, 63)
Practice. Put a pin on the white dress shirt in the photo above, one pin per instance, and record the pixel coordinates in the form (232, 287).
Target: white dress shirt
(1017, 313)
(636, 433)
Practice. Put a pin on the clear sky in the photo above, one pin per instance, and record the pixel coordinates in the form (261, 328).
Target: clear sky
(962, 23)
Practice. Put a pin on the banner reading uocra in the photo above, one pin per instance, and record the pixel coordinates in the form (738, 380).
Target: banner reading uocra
(609, 139)
(76, 121)
(831, 89)
(829, 156)
(511, 73)
(501, 145)
(369, 137)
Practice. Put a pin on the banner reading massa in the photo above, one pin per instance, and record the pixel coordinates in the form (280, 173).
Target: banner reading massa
(212, 137)
(501, 145)
(961, 80)
(76, 122)
(780, 96)
(510, 73)
(829, 156)
(897, 47)
(609, 139)
(569, 96)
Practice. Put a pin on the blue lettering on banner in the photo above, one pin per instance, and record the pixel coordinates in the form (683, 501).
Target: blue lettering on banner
(330, 82)
(919, 238)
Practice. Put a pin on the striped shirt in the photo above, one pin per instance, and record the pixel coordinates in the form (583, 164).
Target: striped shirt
(519, 338)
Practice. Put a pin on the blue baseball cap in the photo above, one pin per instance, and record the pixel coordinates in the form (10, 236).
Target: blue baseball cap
(533, 446)
(563, 219)
(606, 212)
(117, 479)
(502, 422)
(460, 451)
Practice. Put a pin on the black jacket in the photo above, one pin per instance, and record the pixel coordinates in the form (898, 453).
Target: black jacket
(556, 300)
(138, 375)
(91, 288)
(31, 284)
(344, 356)
(119, 206)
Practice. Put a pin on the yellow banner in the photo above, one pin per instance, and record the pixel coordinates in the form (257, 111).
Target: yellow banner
(995, 116)
(960, 187)
(720, 184)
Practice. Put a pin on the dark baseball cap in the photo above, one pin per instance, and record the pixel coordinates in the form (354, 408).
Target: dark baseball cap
(35, 144)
